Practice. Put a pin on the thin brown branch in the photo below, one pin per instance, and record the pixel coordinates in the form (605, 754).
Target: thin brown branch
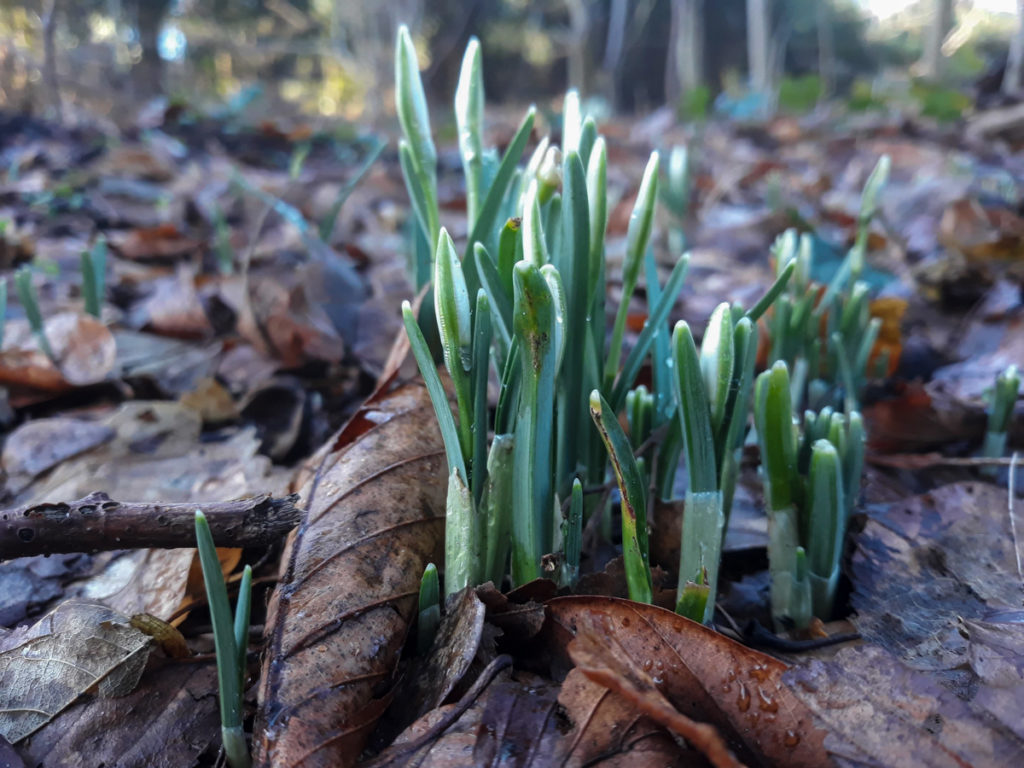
(97, 523)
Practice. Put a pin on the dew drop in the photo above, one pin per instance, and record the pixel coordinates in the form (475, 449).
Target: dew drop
(791, 739)
(766, 703)
(647, 665)
(743, 702)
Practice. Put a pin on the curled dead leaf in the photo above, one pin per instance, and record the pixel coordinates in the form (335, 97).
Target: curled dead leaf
(339, 618)
(712, 678)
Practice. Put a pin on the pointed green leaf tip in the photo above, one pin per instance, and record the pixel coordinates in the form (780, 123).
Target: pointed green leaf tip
(451, 304)
(716, 362)
(411, 101)
(469, 117)
(535, 249)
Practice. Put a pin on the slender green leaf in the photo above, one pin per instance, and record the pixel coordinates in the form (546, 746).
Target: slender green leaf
(411, 105)
(488, 213)
(693, 412)
(228, 676)
(597, 200)
(654, 325)
(637, 235)
(329, 220)
(30, 303)
(498, 503)
(469, 118)
(243, 613)
(772, 293)
(773, 413)
(634, 504)
(479, 370)
(573, 535)
(429, 609)
(716, 363)
(534, 324)
(438, 397)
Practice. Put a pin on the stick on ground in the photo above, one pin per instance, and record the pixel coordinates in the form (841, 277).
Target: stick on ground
(97, 523)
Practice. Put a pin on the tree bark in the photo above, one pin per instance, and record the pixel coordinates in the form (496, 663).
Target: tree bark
(614, 44)
(1013, 79)
(149, 20)
(579, 37)
(940, 24)
(684, 69)
(826, 50)
(49, 19)
(96, 523)
(759, 45)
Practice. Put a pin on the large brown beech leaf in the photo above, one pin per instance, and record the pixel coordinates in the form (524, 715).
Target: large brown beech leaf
(339, 617)
(703, 674)
(523, 721)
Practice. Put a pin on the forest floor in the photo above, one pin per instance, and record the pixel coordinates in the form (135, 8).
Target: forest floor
(246, 318)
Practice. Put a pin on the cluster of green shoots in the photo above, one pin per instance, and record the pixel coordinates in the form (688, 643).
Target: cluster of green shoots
(811, 479)
(825, 334)
(94, 266)
(524, 302)
(231, 641)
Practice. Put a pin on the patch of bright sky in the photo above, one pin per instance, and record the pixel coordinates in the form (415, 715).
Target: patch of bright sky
(884, 8)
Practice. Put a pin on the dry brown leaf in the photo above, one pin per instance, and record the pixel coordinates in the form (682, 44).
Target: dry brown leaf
(173, 307)
(879, 712)
(524, 721)
(597, 653)
(714, 679)
(925, 562)
(83, 347)
(77, 647)
(162, 242)
(339, 618)
(168, 722)
(981, 233)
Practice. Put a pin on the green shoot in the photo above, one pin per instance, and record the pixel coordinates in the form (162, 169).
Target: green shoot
(634, 502)
(222, 243)
(417, 153)
(230, 638)
(30, 303)
(1001, 401)
(94, 267)
(637, 236)
(429, 610)
(535, 317)
(469, 117)
(573, 535)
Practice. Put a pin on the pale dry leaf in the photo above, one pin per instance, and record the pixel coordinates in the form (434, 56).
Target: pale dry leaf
(76, 648)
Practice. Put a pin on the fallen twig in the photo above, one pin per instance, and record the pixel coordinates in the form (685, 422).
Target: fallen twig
(97, 523)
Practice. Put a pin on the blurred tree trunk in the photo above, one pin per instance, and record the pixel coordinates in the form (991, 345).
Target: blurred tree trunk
(580, 70)
(758, 44)
(684, 69)
(940, 23)
(1014, 77)
(826, 50)
(148, 74)
(614, 45)
(52, 85)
